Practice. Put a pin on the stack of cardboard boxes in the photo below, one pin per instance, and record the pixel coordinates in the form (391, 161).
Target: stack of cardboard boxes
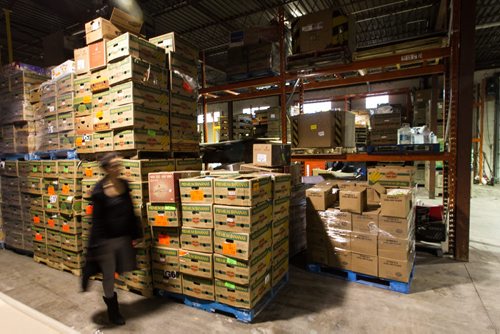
(384, 128)
(371, 231)
(242, 127)
(183, 78)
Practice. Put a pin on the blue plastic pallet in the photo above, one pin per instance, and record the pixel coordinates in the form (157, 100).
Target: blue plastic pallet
(243, 315)
(364, 279)
(53, 155)
(403, 149)
(2, 245)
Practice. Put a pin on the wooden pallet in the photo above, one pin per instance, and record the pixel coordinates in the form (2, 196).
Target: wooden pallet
(243, 315)
(364, 279)
(250, 75)
(47, 262)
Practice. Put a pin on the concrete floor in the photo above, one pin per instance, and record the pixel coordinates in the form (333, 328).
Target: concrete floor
(447, 296)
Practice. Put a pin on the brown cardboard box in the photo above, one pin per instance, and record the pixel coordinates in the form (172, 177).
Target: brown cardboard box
(99, 80)
(340, 239)
(136, 116)
(197, 239)
(367, 222)
(132, 45)
(97, 55)
(365, 264)
(167, 215)
(125, 21)
(281, 229)
(392, 176)
(336, 219)
(396, 203)
(198, 287)
(326, 129)
(82, 60)
(103, 141)
(322, 195)
(242, 245)
(395, 248)
(141, 139)
(171, 42)
(340, 258)
(164, 186)
(197, 215)
(166, 237)
(197, 189)
(254, 168)
(398, 270)
(196, 264)
(242, 219)
(281, 208)
(138, 170)
(242, 190)
(188, 164)
(270, 155)
(279, 270)
(364, 243)
(353, 199)
(165, 259)
(242, 296)
(397, 227)
(167, 280)
(282, 185)
(242, 272)
(99, 29)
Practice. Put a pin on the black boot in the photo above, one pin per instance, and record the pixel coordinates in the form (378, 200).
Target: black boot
(113, 311)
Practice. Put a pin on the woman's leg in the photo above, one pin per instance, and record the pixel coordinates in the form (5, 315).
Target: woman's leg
(108, 268)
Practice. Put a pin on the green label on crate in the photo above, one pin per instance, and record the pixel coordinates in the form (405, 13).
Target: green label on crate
(152, 133)
(47, 169)
(230, 285)
(231, 261)
(49, 206)
(66, 169)
(34, 170)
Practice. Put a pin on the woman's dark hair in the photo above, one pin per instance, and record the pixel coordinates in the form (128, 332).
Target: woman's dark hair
(106, 159)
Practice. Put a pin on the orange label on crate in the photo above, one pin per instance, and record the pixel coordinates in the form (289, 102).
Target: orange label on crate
(164, 239)
(38, 237)
(182, 252)
(88, 172)
(51, 191)
(65, 189)
(89, 209)
(161, 220)
(51, 222)
(65, 227)
(117, 276)
(36, 220)
(197, 195)
(229, 248)
(79, 141)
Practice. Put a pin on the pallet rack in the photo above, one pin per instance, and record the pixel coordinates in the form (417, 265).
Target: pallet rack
(454, 63)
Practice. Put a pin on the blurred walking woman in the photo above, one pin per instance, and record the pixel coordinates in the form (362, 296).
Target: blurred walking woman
(114, 229)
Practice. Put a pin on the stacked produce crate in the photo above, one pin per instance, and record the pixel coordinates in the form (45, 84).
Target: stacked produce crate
(384, 128)
(242, 127)
(183, 78)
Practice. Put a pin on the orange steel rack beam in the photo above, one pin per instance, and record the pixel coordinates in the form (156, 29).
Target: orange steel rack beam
(364, 157)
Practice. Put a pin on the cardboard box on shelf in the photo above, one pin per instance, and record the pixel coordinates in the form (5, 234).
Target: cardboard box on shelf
(196, 263)
(395, 248)
(242, 296)
(396, 203)
(69, 204)
(132, 115)
(270, 155)
(242, 190)
(141, 139)
(364, 243)
(326, 129)
(99, 29)
(365, 264)
(164, 186)
(242, 219)
(197, 189)
(197, 239)
(166, 237)
(197, 215)
(353, 199)
(322, 195)
(398, 270)
(242, 272)
(61, 70)
(54, 236)
(35, 169)
(242, 245)
(188, 164)
(82, 60)
(71, 242)
(367, 222)
(198, 287)
(392, 176)
(97, 55)
(167, 215)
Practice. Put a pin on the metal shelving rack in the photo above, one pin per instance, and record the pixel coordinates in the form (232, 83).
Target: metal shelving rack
(446, 61)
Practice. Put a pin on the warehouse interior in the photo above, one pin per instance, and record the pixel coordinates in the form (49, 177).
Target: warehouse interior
(292, 165)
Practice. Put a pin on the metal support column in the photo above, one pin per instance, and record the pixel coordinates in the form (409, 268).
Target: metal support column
(281, 19)
(482, 97)
(433, 127)
(204, 98)
(230, 131)
(462, 85)
(6, 13)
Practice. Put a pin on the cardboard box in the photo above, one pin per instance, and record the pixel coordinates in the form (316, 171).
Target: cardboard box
(103, 141)
(125, 21)
(71, 224)
(54, 254)
(197, 215)
(84, 143)
(54, 237)
(130, 45)
(66, 122)
(340, 258)
(336, 219)
(171, 42)
(279, 270)
(367, 222)
(197, 239)
(141, 139)
(398, 270)
(270, 155)
(242, 219)
(198, 287)
(132, 115)
(137, 70)
(166, 237)
(281, 208)
(353, 199)
(243, 190)
(282, 185)
(65, 84)
(242, 272)
(164, 186)
(188, 164)
(242, 245)
(97, 55)
(82, 105)
(364, 243)
(61, 70)
(88, 187)
(139, 191)
(280, 229)
(138, 170)
(280, 249)
(395, 248)
(91, 170)
(69, 187)
(81, 86)
(396, 203)
(397, 227)
(242, 296)
(167, 280)
(144, 96)
(196, 263)
(99, 80)
(365, 264)
(167, 215)
(392, 176)
(165, 259)
(82, 60)
(197, 189)
(84, 125)
(71, 242)
(73, 260)
(99, 29)
(326, 129)
(322, 195)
